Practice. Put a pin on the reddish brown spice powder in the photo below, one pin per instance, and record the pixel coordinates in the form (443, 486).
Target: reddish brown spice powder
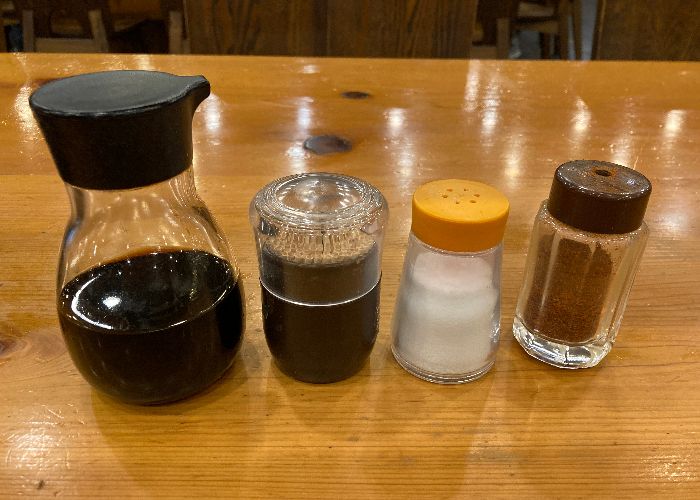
(567, 296)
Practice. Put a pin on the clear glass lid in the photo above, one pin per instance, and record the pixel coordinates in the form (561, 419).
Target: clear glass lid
(320, 201)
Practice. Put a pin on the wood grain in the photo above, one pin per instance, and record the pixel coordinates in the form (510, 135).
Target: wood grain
(647, 30)
(270, 27)
(628, 428)
(357, 28)
(416, 28)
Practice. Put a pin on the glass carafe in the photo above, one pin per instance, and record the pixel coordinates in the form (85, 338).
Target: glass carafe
(148, 294)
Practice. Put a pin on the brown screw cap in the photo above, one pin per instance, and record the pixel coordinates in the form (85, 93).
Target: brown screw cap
(599, 197)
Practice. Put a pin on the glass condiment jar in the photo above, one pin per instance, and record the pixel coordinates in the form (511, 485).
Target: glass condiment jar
(447, 318)
(319, 240)
(586, 246)
(149, 297)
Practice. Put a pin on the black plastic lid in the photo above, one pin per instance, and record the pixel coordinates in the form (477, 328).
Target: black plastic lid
(599, 197)
(119, 129)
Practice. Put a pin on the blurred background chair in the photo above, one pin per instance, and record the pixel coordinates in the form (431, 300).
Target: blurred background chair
(494, 28)
(72, 26)
(348, 28)
(161, 25)
(648, 30)
(146, 26)
(9, 21)
(64, 25)
(556, 21)
(175, 16)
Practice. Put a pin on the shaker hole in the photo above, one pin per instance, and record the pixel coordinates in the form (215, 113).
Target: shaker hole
(477, 194)
(472, 201)
(449, 190)
(604, 173)
(444, 196)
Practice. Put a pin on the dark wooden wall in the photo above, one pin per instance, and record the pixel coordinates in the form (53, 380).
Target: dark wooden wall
(648, 30)
(361, 28)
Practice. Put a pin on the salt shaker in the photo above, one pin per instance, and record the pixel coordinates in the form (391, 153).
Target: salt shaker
(319, 239)
(586, 246)
(447, 318)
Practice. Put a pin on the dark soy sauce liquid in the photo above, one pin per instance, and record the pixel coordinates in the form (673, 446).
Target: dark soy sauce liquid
(320, 343)
(156, 327)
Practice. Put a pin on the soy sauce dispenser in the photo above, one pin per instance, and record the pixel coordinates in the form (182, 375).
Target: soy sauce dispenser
(320, 237)
(149, 296)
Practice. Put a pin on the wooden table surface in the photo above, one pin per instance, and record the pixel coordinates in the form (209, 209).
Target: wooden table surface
(627, 428)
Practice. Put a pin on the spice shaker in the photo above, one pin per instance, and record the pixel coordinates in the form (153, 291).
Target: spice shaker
(319, 241)
(447, 318)
(149, 297)
(586, 246)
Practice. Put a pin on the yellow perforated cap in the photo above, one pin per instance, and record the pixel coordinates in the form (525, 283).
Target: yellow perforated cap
(459, 215)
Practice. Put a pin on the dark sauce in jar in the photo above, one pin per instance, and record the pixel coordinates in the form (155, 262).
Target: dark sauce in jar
(320, 343)
(156, 327)
(320, 326)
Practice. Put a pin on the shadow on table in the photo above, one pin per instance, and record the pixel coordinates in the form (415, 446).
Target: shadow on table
(182, 446)
(584, 402)
(386, 431)
(381, 432)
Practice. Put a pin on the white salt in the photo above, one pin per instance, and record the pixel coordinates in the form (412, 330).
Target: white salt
(446, 320)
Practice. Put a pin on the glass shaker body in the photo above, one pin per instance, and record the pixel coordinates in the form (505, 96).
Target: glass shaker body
(148, 295)
(575, 291)
(319, 240)
(447, 318)
(586, 246)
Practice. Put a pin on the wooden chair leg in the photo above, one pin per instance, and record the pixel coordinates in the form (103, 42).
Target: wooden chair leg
(577, 20)
(99, 33)
(563, 29)
(175, 41)
(28, 38)
(545, 46)
(502, 37)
